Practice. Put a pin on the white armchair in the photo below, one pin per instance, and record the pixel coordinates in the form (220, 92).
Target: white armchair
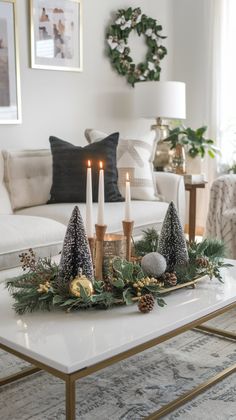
(221, 218)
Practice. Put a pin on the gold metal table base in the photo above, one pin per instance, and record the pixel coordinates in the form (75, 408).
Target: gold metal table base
(71, 378)
(19, 375)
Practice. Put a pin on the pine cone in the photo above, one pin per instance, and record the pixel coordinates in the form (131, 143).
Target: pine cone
(202, 262)
(169, 279)
(146, 303)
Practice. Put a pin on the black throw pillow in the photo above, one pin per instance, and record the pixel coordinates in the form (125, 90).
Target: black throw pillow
(70, 168)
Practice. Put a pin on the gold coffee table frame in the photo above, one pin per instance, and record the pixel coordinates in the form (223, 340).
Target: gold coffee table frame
(71, 378)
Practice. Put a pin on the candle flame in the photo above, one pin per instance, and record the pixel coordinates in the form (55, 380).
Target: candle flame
(101, 164)
(89, 163)
(127, 176)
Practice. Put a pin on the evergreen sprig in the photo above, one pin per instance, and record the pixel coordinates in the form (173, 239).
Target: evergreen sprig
(148, 243)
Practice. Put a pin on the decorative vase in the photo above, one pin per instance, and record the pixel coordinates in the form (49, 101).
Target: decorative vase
(162, 157)
(162, 153)
(179, 160)
(194, 165)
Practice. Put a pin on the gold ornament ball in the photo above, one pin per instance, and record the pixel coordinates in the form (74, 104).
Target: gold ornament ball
(84, 282)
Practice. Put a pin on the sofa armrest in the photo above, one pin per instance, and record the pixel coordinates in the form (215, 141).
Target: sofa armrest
(171, 188)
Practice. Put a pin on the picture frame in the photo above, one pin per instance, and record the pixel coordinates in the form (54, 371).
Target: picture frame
(10, 100)
(56, 34)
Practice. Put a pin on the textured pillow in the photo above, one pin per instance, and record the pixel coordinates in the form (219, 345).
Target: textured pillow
(133, 156)
(70, 165)
(28, 176)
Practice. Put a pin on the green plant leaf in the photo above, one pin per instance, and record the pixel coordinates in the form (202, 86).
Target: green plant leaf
(119, 283)
(68, 302)
(57, 299)
(161, 302)
(127, 296)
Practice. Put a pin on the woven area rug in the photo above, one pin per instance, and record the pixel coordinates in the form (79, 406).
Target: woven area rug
(132, 389)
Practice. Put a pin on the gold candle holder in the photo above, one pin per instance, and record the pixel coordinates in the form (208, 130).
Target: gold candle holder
(100, 234)
(128, 229)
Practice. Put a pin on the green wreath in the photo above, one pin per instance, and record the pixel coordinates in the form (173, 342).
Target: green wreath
(119, 53)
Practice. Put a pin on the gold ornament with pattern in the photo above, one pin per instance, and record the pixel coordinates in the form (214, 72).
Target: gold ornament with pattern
(83, 281)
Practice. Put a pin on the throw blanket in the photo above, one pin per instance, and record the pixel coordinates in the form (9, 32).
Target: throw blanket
(221, 219)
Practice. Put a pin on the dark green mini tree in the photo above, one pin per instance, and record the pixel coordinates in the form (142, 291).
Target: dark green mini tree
(76, 254)
(172, 244)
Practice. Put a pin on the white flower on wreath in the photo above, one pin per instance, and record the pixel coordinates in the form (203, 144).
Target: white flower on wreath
(111, 43)
(120, 20)
(141, 78)
(126, 25)
(154, 36)
(154, 57)
(151, 66)
(146, 73)
(121, 47)
(160, 50)
(148, 32)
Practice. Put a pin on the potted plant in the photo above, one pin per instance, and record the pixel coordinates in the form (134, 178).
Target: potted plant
(232, 169)
(181, 138)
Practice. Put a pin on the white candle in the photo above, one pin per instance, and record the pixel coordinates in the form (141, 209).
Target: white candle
(127, 200)
(100, 217)
(89, 202)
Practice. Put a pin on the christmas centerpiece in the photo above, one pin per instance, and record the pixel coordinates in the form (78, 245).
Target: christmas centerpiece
(164, 264)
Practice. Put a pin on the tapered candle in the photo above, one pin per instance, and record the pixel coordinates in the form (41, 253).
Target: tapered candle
(100, 216)
(89, 202)
(127, 199)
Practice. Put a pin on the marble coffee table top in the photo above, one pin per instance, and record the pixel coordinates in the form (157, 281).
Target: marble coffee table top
(69, 342)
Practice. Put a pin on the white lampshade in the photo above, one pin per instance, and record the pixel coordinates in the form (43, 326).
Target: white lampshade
(160, 99)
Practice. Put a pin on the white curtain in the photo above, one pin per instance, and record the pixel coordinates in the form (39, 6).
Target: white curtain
(222, 105)
(220, 66)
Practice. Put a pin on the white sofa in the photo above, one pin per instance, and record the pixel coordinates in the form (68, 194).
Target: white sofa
(26, 220)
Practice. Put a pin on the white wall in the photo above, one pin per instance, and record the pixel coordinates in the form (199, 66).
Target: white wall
(64, 103)
(190, 61)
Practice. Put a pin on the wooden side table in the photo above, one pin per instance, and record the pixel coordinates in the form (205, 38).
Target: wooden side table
(192, 188)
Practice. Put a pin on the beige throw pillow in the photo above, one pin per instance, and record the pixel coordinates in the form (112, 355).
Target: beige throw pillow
(134, 157)
(28, 176)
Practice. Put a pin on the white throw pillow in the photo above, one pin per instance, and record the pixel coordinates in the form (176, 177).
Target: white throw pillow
(28, 176)
(134, 157)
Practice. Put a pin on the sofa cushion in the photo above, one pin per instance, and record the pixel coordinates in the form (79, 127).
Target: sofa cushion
(19, 233)
(144, 213)
(5, 204)
(28, 176)
(133, 156)
(69, 170)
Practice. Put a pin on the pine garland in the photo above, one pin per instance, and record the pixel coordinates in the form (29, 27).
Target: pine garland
(125, 282)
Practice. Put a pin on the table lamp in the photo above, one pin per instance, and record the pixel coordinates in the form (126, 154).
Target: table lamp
(163, 101)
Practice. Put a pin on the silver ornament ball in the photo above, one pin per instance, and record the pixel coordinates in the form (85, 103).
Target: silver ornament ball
(153, 264)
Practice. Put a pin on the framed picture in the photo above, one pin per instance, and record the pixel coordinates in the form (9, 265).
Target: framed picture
(10, 109)
(56, 34)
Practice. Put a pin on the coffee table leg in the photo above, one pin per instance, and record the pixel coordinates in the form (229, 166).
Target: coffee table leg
(70, 398)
